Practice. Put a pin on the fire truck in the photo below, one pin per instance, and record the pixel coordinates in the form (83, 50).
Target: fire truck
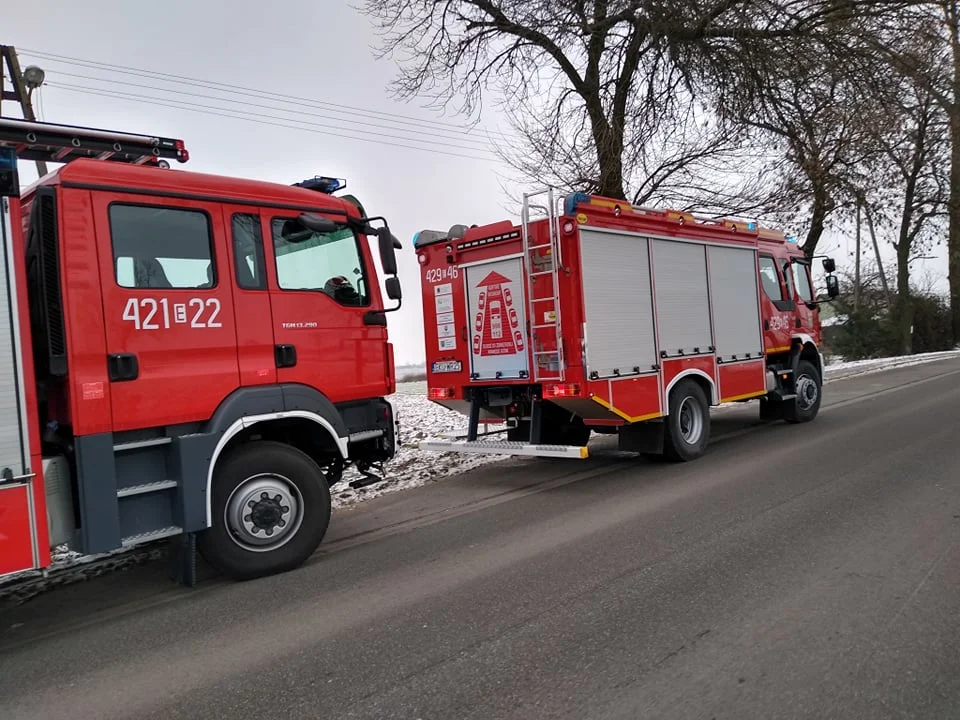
(596, 316)
(184, 355)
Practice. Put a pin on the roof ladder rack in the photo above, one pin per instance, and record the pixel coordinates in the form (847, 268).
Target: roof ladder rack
(62, 143)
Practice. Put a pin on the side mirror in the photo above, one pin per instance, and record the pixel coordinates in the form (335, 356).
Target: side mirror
(388, 250)
(829, 266)
(833, 286)
(392, 285)
(317, 224)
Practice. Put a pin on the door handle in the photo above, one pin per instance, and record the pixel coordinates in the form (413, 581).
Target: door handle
(285, 355)
(122, 367)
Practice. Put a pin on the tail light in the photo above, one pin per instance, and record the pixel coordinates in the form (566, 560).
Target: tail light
(561, 391)
(440, 393)
(182, 154)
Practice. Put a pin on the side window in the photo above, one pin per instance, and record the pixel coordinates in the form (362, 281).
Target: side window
(248, 263)
(330, 263)
(788, 277)
(801, 278)
(161, 247)
(770, 278)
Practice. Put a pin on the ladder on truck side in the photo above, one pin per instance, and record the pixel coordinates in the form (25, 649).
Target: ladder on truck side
(53, 142)
(548, 365)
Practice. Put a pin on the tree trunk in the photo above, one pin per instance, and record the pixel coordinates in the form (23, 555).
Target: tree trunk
(818, 218)
(609, 142)
(953, 238)
(904, 301)
(953, 205)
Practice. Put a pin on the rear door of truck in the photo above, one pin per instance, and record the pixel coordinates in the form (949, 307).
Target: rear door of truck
(168, 308)
(497, 317)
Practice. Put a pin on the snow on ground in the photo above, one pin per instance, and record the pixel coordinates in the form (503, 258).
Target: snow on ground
(840, 368)
(421, 419)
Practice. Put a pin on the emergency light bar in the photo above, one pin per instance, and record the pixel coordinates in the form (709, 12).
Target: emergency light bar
(326, 185)
(573, 200)
(62, 143)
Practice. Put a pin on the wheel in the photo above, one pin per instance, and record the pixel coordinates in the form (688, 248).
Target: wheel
(574, 433)
(806, 405)
(561, 427)
(688, 425)
(557, 428)
(270, 510)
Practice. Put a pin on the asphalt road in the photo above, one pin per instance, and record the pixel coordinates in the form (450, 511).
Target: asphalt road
(793, 572)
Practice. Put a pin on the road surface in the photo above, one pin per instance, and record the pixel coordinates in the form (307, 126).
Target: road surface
(793, 572)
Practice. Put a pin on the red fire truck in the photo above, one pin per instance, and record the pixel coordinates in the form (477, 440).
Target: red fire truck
(592, 315)
(186, 356)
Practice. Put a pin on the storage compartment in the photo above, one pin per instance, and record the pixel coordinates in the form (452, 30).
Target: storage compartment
(18, 542)
(618, 303)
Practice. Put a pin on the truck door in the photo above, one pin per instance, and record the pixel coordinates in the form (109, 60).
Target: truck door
(322, 288)
(251, 295)
(777, 307)
(168, 308)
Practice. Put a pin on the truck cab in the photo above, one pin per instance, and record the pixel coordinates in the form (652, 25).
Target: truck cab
(209, 354)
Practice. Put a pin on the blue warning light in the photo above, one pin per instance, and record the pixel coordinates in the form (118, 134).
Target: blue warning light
(326, 185)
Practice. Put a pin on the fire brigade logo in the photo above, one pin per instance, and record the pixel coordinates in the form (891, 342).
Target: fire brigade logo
(496, 327)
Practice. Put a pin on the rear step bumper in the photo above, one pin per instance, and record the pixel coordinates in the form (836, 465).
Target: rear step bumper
(487, 447)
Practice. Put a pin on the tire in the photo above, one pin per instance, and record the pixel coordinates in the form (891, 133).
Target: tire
(557, 429)
(809, 385)
(561, 429)
(687, 429)
(259, 473)
(575, 434)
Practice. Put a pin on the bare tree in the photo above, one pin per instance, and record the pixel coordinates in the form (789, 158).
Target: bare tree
(910, 197)
(818, 112)
(928, 54)
(603, 94)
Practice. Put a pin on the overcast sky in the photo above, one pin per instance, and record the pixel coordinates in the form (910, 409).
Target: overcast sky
(319, 50)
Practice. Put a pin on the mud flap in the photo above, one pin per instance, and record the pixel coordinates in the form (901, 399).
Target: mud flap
(183, 559)
(645, 437)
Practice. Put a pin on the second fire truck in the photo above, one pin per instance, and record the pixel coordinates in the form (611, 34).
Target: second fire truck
(593, 315)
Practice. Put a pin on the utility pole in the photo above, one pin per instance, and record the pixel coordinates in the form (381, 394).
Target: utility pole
(24, 82)
(856, 271)
(876, 251)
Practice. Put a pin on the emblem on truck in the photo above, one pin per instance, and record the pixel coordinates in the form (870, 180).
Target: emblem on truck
(494, 301)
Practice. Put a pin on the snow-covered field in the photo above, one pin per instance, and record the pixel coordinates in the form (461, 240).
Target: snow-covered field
(421, 419)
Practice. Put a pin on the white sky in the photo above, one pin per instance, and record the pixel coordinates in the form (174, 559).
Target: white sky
(319, 50)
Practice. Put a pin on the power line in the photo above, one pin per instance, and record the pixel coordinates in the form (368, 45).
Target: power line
(230, 88)
(202, 106)
(229, 114)
(484, 145)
